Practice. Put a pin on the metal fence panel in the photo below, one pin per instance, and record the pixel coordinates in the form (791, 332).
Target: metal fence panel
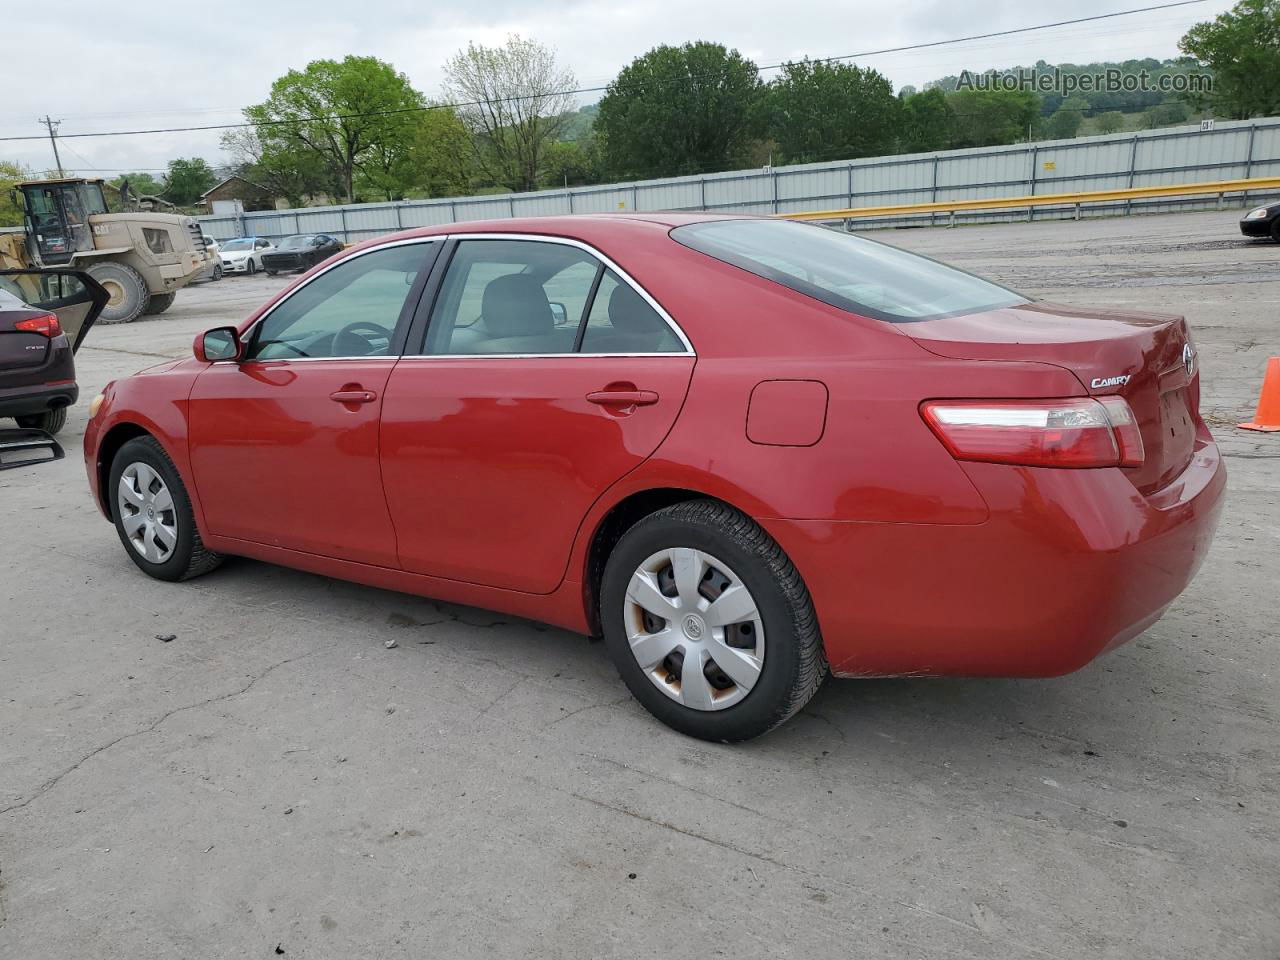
(1231, 150)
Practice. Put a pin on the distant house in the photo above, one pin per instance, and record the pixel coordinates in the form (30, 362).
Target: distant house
(237, 195)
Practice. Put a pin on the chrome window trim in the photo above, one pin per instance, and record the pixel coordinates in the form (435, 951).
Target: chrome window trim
(609, 265)
(251, 330)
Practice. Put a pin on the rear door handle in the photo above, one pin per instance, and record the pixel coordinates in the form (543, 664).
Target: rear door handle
(353, 396)
(623, 398)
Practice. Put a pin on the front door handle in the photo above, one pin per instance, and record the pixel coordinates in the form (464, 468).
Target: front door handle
(353, 396)
(623, 398)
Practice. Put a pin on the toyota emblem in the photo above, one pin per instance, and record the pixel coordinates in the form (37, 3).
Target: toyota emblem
(1189, 359)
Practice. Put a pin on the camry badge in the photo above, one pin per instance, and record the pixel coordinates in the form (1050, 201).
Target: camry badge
(1099, 382)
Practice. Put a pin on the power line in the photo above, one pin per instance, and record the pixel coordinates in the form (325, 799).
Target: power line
(600, 89)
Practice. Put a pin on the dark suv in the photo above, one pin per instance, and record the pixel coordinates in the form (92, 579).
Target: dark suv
(44, 316)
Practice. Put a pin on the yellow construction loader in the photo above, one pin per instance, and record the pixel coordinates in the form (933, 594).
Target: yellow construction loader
(142, 259)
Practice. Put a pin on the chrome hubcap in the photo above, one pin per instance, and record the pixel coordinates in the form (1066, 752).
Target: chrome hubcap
(147, 513)
(694, 628)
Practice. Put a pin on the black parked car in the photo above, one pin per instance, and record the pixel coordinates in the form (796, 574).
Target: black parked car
(44, 316)
(1262, 222)
(300, 253)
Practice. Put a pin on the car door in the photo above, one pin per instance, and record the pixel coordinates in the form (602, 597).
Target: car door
(544, 376)
(284, 442)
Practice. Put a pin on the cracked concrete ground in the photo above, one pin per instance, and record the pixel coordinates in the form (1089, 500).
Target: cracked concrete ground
(276, 779)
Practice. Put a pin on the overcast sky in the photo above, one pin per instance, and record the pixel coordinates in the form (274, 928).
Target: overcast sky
(145, 63)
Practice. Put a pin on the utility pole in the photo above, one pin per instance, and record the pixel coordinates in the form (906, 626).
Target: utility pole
(52, 126)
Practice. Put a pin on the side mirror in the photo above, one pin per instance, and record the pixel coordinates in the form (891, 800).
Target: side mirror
(559, 313)
(220, 343)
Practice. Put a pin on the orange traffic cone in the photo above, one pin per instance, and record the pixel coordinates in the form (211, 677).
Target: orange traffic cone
(1267, 416)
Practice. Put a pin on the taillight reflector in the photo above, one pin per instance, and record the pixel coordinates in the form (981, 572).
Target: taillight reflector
(1038, 433)
(46, 326)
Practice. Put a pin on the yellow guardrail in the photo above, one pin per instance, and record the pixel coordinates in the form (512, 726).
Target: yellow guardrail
(1219, 187)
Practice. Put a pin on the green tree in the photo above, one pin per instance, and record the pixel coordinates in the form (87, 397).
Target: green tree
(354, 115)
(441, 158)
(1166, 115)
(928, 122)
(140, 182)
(1110, 122)
(988, 117)
(187, 180)
(516, 105)
(679, 110)
(10, 173)
(1242, 47)
(1064, 123)
(275, 159)
(823, 111)
(573, 164)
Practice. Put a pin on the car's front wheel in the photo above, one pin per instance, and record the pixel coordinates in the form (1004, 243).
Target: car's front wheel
(152, 513)
(709, 623)
(251, 268)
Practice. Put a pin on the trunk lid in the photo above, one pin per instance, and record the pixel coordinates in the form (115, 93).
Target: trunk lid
(1148, 359)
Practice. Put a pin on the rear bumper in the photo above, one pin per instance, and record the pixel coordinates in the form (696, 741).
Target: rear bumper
(22, 401)
(1071, 563)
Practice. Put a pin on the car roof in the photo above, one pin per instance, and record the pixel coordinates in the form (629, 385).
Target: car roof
(588, 227)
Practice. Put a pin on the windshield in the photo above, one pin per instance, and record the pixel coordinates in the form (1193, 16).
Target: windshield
(292, 243)
(855, 274)
(245, 243)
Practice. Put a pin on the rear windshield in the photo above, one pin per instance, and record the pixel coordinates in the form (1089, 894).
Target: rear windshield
(855, 274)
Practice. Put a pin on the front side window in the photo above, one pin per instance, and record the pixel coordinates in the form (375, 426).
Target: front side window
(350, 310)
(862, 276)
(533, 297)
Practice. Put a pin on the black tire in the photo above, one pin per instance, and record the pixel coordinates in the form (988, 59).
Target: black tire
(794, 664)
(189, 557)
(250, 268)
(217, 271)
(127, 289)
(1275, 229)
(160, 302)
(272, 273)
(51, 421)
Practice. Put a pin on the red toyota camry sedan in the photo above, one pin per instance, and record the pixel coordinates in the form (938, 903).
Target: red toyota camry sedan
(747, 452)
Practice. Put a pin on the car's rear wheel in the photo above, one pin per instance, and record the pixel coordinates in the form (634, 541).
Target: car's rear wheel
(709, 623)
(51, 421)
(152, 513)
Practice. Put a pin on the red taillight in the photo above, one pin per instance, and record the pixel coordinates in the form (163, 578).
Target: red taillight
(46, 326)
(1038, 433)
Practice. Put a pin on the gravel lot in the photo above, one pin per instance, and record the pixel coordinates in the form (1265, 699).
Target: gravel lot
(276, 781)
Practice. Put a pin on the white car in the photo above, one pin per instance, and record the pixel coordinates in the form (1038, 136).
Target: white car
(214, 270)
(244, 255)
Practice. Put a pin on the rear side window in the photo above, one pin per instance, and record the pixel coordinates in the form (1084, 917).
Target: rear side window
(852, 273)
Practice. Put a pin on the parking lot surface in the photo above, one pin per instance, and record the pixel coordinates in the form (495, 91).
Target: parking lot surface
(276, 780)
